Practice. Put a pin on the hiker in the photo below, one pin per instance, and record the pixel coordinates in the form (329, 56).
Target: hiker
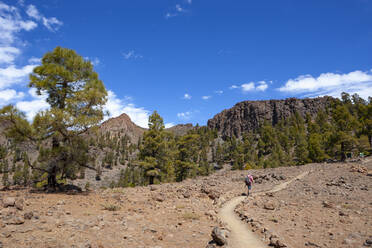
(248, 182)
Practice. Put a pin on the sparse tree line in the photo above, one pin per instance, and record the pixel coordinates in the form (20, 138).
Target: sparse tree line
(67, 139)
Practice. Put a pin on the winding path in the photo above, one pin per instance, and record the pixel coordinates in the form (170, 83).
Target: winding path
(240, 235)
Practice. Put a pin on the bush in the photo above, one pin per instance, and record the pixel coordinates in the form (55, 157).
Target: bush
(111, 207)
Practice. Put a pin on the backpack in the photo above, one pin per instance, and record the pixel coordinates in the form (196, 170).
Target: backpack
(247, 181)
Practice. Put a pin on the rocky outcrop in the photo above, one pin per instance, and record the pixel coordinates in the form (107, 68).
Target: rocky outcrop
(180, 129)
(249, 115)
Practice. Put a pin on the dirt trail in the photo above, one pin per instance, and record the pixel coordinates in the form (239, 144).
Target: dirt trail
(240, 235)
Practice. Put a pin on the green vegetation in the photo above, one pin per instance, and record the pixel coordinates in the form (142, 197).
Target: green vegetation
(65, 136)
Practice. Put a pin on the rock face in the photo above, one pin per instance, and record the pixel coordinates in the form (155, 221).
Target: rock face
(249, 115)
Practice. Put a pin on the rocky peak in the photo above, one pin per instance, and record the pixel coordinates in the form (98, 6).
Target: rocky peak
(122, 125)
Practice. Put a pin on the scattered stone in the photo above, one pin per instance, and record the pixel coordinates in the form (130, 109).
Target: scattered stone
(368, 242)
(275, 242)
(186, 194)
(28, 215)
(309, 243)
(210, 246)
(269, 206)
(15, 220)
(19, 203)
(9, 202)
(218, 236)
(159, 197)
(359, 169)
(327, 204)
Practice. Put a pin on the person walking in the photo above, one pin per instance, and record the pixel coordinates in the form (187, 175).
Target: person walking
(248, 182)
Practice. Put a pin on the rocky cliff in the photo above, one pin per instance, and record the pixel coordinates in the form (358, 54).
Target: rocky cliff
(249, 115)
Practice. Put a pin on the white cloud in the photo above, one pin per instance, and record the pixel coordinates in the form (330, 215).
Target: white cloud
(262, 86)
(332, 84)
(33, 12)
(52, 23)
(206, 97)
(219, 92)
(8, 54)
(170, 15)
(251, 86)
(169, 125)
(11, 23)
(247, 87)
(34, 60)
(184, 115)
(94, 60)
(12, 75)
(132, 55)
(32, 107)
(10, 94)
(179, 8)
(117, 106)
(186, 96)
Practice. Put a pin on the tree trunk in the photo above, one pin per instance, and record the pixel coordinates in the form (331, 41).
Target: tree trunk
(151, 180)
(52, 179)
(343, 155)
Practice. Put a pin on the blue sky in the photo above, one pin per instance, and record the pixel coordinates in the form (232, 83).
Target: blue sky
(190, 59)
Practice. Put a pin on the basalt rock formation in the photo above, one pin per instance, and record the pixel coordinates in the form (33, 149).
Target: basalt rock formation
(249, 115)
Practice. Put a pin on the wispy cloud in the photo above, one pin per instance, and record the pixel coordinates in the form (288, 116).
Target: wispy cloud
(169, 125)
(219, 92)
(94, 60)
(332, 84)
(186, 96)
(132, 55)
(206, 97)
(51, 23)
(251, 86)
(185, 115)
(178, 9)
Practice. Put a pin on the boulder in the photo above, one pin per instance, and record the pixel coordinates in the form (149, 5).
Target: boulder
(275, 242)
(9, 202)
(218, 236)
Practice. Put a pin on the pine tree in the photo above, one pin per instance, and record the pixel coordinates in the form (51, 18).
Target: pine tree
(76, 97)
(155, 156)
(345, 125)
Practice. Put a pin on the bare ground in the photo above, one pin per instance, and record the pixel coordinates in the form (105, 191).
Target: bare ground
(183, 214)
